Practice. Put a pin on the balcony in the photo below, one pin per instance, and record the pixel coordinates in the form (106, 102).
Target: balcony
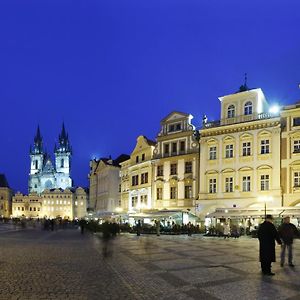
(239, 119)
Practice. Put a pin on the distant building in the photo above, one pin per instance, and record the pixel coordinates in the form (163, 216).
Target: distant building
(43, 174)
(55, 203)
(104, 178)
(5, 197)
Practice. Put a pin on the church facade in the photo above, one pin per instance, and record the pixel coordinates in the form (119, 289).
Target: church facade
(44, 174)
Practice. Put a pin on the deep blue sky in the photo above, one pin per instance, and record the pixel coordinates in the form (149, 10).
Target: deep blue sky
(112, 69)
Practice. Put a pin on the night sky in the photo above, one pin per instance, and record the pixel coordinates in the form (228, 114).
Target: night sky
(111, 70)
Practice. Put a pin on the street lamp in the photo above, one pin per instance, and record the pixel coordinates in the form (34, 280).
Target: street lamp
(265, 199)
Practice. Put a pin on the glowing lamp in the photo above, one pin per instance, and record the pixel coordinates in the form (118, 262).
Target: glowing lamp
(274, 109)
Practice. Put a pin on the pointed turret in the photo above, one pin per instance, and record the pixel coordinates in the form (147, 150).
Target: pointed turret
(38, 143)
(63, 142)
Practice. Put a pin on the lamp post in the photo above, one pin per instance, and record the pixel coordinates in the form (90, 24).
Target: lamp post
(265, 199)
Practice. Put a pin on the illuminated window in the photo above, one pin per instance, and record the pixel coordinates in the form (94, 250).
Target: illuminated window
(173, 192)
(159, 193)
(231, 111)
(246, 183)
(248, 108)
(229, 151)
(264, 182)
(296, 179)
(188, 194)
(76, 203)
(213, 153)
(212, 185)
(228, 184)
(173, 169)
(297, 146)
(188, 167)
(246, 148)
(264, 147)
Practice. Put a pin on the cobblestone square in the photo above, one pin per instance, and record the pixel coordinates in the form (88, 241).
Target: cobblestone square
(64, 264)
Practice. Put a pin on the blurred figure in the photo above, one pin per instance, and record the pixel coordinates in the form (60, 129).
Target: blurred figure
(226, 231)
(106, 236)
(287, 232)
(267, 234)
(138, 228)
(157, 226)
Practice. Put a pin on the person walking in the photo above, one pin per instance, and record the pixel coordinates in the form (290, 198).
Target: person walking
(287, 232)
(267, 234)
(226, 231)
(157, 226)
(138, 228)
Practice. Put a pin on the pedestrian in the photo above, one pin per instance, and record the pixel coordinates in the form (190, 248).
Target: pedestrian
(267, 234)
(157, 225)
(189, 229)
(138, 228)
(226, 231)
(287, 232)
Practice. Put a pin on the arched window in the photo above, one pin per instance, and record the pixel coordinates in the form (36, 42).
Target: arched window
(231, 111)
(248, 108)
(62, 163)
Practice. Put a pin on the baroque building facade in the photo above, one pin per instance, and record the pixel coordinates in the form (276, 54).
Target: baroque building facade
(43, 174)
(240, 154)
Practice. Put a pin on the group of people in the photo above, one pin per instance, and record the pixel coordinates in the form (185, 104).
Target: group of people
(284, 236)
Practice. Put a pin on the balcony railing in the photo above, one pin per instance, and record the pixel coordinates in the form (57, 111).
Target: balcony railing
(240, 119)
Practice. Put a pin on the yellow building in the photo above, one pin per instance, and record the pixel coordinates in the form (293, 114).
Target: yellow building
(55, 203)
(175, 164)
(136, 177)
(5, 197)
(240, 155)
(290, 155)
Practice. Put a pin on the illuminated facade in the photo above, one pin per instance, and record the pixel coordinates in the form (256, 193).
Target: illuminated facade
(43, 174)
(104, 178)
(136, 177)
(55, 203)
(5, 197)
(240, 154)
(175, 164)
(290, 155)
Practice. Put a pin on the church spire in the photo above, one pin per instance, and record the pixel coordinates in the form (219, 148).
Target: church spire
(63, 141)
(244, 86)
(38, 143)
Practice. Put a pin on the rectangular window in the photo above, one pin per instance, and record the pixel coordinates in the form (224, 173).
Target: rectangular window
(144, 178)
(188, 194)
(264, 182)
(296, 122)
(173, 169)
(264, 147)
(246, 184)
(136, 159)
(174, 148)
(173, 192)
(296, 179)
(228, 184)
(246, 149)
(297, 146)
(144, 199)
(212, 153)
(159, 193)
(134, 201)
(160, 170)
(134, 180)
(182, 146)
(174, 127)
(212, 185)
(143, 156)
(167, 149)
(188, 167)
(229, 151)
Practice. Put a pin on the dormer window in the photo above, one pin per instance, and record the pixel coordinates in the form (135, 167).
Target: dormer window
(174, 127)
(248, 108)
(231, 111)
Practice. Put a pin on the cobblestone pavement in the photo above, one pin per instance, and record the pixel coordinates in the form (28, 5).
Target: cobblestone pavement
(63, 264)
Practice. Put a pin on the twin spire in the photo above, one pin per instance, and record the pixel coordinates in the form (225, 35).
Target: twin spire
(63, 142)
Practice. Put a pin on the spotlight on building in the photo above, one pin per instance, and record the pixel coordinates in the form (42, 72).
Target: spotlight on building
(274, 109)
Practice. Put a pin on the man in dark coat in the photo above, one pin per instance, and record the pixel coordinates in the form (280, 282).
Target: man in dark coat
(267, 234)
(287, 232)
